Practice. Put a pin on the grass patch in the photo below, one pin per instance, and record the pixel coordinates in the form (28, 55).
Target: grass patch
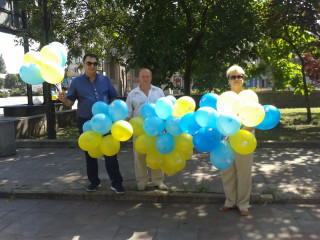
(293, 126)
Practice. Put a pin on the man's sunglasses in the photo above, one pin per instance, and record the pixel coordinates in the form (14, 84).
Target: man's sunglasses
(92, 63)
(234, 77)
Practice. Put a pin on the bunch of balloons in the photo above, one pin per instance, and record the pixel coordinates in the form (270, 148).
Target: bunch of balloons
(159, 135)
(170, 129)
(106, 118)
(221, 117)
(44, 66)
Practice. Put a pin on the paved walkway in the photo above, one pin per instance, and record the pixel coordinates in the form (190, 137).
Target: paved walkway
(34, 219)
(280, 175)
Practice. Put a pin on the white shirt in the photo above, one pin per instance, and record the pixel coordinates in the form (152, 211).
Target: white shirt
(136, 99)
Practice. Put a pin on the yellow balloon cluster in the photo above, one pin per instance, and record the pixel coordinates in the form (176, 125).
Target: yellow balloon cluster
(47, 65)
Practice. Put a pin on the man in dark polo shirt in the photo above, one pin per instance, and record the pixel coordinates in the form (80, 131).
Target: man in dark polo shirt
(88, 89)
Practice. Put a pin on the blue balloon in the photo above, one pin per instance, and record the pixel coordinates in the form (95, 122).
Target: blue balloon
(207, 117)
(205, 139)
(148, 110)
(188, 123)
(87, 126)
(222, 155)
(209, 100)
(271, 118)
(173, 126)
(164, 108)
(153, 126)
(228, 124)
(101, 123)
(118, 110)
(172, 98)
(165, 143)
(100, 107)
(62, 50)
(30, 73)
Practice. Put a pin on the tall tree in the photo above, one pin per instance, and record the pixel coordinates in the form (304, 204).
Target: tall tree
(10, 81)
(197, 38)
(2, 65)
(291, 28)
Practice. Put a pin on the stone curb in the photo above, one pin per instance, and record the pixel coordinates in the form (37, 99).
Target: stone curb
(151, 196)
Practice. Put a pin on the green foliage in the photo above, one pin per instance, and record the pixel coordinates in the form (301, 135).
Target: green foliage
(17, 93)
(3, 95)
(10, 81)
(2, 65)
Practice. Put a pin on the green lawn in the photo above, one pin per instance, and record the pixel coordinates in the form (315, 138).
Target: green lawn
(292, 127)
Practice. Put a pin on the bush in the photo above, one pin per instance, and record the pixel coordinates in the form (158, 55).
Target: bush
(36, 93)
(3, 95)
(17, 93)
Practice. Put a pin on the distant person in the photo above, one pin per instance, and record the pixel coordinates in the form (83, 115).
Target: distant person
(237, 179)
(88, 89)
(145, 93)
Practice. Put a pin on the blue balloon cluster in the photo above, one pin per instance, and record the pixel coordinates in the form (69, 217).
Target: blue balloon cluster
(105, 115)
(208, 126)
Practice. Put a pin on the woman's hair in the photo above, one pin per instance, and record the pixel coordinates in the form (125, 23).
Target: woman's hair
(235, 68)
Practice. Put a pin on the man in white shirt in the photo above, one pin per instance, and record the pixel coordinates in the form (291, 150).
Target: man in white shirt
(145, 93)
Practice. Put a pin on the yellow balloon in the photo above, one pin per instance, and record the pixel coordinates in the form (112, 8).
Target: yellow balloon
(109, 146)
(95, 153)
(251, 114)
(183, 142)
(228, 102)
(50, 53)
(52, 72)
(122, 130)
(248, 96)
(243, 142)
(168, 171)
(154, 159)
(183, 105)
(32, 57)
(187, 154)
(89, 140)
(137, 125)
(144, 143)
(174, 161)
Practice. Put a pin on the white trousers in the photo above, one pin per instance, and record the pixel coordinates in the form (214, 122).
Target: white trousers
(141, 170)
(237, 181)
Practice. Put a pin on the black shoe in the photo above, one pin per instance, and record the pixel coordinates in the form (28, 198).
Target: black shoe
(92, 187)
(118, 189)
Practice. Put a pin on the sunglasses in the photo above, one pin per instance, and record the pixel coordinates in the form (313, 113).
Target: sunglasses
(234, 77)
(92, 63)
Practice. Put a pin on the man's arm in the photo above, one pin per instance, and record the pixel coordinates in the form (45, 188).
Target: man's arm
(63, 98)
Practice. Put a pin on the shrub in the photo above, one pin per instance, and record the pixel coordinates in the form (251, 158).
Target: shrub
(17, 93)
(3, 95)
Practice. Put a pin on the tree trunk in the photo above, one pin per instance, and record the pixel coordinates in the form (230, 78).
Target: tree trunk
(187, 77)
(306, 91)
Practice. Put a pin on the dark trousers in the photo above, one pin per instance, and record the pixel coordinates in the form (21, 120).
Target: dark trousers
(111, 163)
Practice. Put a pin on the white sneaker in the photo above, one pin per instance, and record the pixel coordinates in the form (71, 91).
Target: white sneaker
(161, 186)
(141, 186)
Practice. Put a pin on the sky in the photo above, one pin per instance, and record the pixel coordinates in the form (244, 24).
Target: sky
(12, 55)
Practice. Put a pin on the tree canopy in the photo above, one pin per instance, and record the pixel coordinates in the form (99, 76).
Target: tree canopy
(2, 65)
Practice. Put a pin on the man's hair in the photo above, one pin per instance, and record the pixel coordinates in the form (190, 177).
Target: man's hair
(90, 55)
(235, 68)
(145, 69)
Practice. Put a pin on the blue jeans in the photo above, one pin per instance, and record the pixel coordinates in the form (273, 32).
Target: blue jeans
(111, 163)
